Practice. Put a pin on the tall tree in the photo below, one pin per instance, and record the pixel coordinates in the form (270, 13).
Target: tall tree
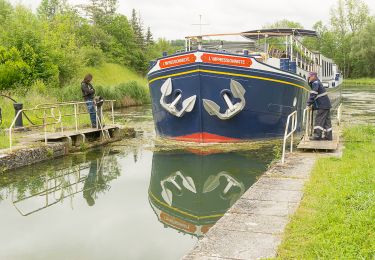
(50, 8)
(357, 15)
(284, 24)
(93, 11)
(363, 51)
(149, 37)
(277, 42)
(108, 7)
(347, 18)
(5, 10)
(137, 24)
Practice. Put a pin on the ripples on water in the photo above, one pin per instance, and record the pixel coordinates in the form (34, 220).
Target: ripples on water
(125, 201)
(359, 105)
(132, 200)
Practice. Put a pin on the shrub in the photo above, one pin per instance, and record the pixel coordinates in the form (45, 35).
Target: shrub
(68, 93)
(92, 56)
(39, 87)
(13, 70)
(134, 90)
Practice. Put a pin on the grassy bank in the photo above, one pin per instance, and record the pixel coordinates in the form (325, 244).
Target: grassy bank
(110, 74)
(336, 217)
(112, 81)
(360, 82)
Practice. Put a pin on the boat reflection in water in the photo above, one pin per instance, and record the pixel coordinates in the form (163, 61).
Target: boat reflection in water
(190, 192)
(50, 183)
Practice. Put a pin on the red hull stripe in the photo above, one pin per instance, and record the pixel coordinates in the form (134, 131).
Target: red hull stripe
(206, 138)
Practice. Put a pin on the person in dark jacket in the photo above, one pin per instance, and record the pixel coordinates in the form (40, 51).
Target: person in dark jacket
(320, 102)
(88, 93)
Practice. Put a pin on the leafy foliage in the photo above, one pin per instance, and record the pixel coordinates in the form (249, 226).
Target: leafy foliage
(92, 56)
(363, 51)
(52, 45)
(341, 38)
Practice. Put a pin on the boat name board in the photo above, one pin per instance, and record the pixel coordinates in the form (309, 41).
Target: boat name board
(178, 223)
(176, 61)
(226, 60)
(206, 58)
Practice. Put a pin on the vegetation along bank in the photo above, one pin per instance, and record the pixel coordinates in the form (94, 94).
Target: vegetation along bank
(335, 219)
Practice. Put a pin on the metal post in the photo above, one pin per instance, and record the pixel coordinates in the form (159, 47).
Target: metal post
(291, 48)
(286, 45)
(10, 138)
(113, 113)
(101, 116)
(311, 121)
(75, 117)
(265, 43)
(46, 189)
(45, 127)
(61, 122)
(292, 118)
(18, 107)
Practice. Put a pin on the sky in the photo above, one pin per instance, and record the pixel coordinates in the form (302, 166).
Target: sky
(174, 19)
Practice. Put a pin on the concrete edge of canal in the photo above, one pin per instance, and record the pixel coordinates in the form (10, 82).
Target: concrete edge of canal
(34, 152)
(253, 227)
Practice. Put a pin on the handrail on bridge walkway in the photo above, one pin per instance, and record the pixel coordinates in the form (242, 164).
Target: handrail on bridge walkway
(307, 122)
(287, 133)
(52, 114)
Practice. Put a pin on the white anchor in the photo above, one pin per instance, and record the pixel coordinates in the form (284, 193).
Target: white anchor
(238, 91)
(187, 104)
(187, 183)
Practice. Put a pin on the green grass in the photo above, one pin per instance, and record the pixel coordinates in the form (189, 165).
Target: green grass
(4, 140)
(336, 218)
(359, 82)
(110, 74)
(112, 81)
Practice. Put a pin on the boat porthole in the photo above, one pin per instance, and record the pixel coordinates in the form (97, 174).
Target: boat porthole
(295, 101)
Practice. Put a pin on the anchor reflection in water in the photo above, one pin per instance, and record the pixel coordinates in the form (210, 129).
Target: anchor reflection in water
(89, 177)
(190, 192)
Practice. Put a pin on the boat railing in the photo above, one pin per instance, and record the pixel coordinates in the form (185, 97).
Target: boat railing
(52, 114)
(290, 128)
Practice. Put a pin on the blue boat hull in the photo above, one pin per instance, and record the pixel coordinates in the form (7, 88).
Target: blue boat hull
(270, 97)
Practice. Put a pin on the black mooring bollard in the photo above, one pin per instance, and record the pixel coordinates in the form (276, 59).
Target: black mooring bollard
(17, 108)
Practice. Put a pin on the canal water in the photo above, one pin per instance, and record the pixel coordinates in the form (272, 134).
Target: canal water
(359, 105)
(131, 200)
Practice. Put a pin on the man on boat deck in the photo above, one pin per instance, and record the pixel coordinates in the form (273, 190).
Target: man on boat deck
(320, 102)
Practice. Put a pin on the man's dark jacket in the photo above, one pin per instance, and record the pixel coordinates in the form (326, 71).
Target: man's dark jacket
(318, 96)
(88, 91)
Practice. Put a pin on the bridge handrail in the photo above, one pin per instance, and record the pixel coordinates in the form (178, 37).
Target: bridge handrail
(292, 116)
(307, 119)
(58, 119)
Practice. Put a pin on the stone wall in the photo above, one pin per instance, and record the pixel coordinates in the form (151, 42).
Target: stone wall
(26, 156)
